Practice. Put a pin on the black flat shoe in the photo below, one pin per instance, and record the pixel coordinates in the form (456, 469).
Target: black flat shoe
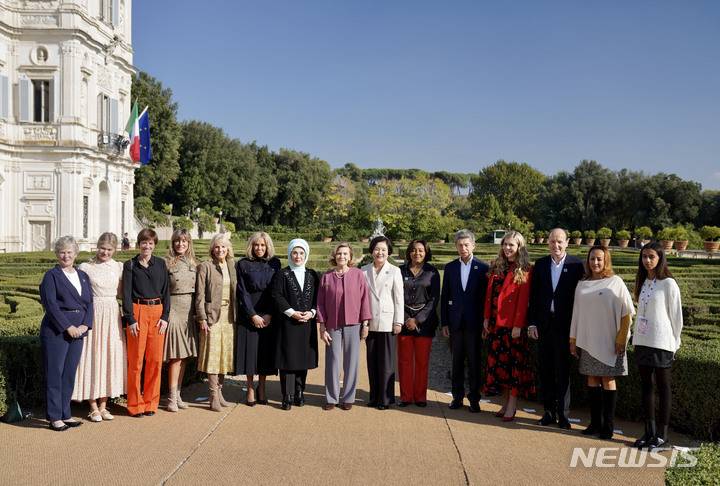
(421, 404)
(382, 407)
(62, 428)
(455, 404)
(299, 400)
(73, 424)
(402, 404)
(547, 419)
(149, 413)
(564, 423)
(474, 407)
(137, 415)
(261, 402)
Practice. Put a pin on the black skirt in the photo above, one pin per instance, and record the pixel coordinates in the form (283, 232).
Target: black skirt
(654, 357)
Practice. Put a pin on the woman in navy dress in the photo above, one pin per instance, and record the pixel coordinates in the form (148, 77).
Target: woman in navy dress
(255, 336)
(67, 298)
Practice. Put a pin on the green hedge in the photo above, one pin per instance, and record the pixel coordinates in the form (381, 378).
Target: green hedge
(705, 472)
(21, 371)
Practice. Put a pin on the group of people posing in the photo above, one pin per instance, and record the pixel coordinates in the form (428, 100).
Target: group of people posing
(254, 318)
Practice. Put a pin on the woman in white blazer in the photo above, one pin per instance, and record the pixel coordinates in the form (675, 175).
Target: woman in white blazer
(387, 306)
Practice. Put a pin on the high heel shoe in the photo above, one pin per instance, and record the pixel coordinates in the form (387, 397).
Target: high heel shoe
(510, 418)
(500, 413)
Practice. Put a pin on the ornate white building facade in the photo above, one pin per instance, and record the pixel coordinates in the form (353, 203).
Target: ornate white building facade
(65, 77)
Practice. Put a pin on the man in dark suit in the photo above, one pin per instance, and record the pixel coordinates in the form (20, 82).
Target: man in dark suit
(461, 310)
(551, 304)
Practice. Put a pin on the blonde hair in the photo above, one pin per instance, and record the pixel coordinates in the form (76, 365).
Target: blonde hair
(172, 256)
(223, 239)
(344, 244)
(269, 247)
(522, 262)
(107, 237)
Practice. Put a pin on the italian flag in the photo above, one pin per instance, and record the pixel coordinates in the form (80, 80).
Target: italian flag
(133, 130)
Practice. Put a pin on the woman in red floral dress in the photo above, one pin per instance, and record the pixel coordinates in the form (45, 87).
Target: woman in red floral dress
(506, 304)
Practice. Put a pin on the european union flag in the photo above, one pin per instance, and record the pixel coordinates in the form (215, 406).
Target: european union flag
(144, 126)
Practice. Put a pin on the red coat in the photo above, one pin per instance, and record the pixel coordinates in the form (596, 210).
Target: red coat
(512, 302)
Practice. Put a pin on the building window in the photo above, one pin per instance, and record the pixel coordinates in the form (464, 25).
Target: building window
(103, 113)
(86, 208)
(41, 100)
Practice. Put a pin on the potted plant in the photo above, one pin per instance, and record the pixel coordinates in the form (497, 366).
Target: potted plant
(711, 237)
(540, 236)
(604, 234)
(643, 233)
(623, 238)
(576, 237)
(680, 235)
(589, 237)
(667, 238)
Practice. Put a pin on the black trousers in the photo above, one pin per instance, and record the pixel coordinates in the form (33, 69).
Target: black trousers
(466, 344)
(381, 367)
(292, 382)
(554, 360)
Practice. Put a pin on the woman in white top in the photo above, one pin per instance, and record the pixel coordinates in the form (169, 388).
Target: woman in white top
(387, 305)
(656, 338)
(600, 331)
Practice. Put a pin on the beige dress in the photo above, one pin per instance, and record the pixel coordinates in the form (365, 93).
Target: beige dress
(181, 335)
(216, 347)
(102, 371)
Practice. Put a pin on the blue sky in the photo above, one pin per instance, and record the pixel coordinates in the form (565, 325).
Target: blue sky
(452, 85)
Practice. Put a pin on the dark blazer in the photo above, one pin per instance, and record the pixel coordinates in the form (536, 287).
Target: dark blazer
(297, 342)
(253, 286)
(64, 307)
(542, 294)
(457, 304)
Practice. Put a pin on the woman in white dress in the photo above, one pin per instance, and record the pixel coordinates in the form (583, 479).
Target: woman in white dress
(102, 371)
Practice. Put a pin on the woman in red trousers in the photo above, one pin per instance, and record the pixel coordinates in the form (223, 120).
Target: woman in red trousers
(421, 284)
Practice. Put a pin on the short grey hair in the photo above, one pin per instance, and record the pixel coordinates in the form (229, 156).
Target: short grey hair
(464, 234)
(64, 242)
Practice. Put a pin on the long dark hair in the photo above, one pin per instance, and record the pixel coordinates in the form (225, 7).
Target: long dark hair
(661, 270)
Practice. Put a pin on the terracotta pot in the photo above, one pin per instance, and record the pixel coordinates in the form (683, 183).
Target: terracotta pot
(681, 245)
(589, 241)
(327, 239)
(605, 242)
(365, 240)
(577, 241)
(711, 246)
(439, 242)
(667, 244)
(623, 243)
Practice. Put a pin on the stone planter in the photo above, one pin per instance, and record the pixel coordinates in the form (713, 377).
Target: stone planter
(365, 240)
(440, 242)
(327, 239)
(577, 241)
(681, 245)
(589, 241)
(667, 244)
(605, 242)
(623, 243)
(711, 246)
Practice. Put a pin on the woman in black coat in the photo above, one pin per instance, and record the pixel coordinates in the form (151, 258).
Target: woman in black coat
(294, 290)
(255, 335)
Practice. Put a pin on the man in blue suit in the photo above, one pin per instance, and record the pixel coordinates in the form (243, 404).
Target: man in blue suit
(461, 311)
(552, 296)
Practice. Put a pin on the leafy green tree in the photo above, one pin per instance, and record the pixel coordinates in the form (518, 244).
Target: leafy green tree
(515, 186)
(709, 213)
(153, 179)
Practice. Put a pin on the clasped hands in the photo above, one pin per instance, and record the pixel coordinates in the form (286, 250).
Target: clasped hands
(76, 331)
(262, 321)
(514, 334)
(302, 316)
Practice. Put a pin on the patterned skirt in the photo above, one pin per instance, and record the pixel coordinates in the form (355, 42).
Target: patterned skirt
(215, 355)
(508, 363)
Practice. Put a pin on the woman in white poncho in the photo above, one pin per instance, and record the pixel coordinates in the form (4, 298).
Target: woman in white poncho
(599, 334)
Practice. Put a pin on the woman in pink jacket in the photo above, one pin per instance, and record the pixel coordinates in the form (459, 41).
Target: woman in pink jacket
(343, 311)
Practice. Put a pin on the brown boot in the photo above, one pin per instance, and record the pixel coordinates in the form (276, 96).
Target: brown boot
(214, 393)
(180, 404)
(172, 401)
(221, 381)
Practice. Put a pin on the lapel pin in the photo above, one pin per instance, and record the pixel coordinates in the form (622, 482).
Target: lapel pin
(564, 270)
(475, 267)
